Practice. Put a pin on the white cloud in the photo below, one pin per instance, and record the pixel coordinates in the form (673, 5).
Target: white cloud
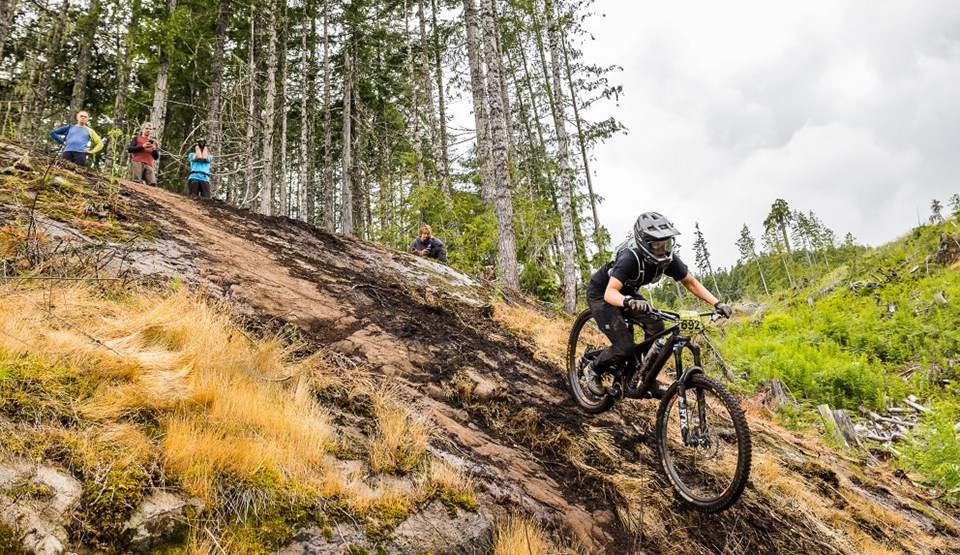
(847, 108)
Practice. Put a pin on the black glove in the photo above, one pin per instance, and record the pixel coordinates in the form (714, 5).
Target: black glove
(639, 306)
(724, 308)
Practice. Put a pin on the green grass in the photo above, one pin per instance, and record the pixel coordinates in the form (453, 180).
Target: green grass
(849, 350)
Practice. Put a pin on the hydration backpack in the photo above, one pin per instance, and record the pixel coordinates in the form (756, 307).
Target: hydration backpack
(631, 243)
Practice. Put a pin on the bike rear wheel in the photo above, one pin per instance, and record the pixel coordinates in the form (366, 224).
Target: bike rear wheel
(585, 337)
(709, 468)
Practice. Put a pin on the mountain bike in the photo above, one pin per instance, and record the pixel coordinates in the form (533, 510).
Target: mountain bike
(702, 435)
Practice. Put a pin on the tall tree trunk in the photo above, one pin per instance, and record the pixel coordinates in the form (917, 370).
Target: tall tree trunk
(427, 79)
(38, 81)
(478, 89)
(124, 60)
(308, 110)
(7, 10)
(214, 115)
(329, 192)
(346, 194)
(565, 191)
(762, 279)
(124, 69)
(545, 168)
(443, 154)
(89, 23)
(418, 141)
(598, 240)
(269, 114)
(502, 193)
(158, 112)
(282, 113)
(250, 152)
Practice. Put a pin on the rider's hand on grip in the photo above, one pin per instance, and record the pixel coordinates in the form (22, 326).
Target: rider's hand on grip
(724, 308)
(639, 306)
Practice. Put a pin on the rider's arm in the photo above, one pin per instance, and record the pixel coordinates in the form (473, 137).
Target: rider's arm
(612, 294)
(694, 286)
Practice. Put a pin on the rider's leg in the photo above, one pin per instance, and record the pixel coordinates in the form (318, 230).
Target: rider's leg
(610, 321)
(651, 325)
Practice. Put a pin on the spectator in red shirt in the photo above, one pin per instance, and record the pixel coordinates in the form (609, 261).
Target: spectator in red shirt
(143, 151)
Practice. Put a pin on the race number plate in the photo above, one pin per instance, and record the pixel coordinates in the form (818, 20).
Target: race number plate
(690, 322)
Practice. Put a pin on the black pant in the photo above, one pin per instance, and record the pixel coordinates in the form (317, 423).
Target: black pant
(610, 321)
(78, 158)
(201, 188)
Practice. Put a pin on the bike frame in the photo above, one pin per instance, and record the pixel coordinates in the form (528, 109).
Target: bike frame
(651, 368)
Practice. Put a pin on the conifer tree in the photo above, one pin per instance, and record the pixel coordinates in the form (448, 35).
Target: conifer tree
(703, 256)
(936, 212)
(779, 217)
(748, 252)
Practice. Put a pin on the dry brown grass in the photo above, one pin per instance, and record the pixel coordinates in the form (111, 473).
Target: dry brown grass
(180, 362)
(446, 477)
(400, 440)
(518, 535)
(180, 386)
(548, 333)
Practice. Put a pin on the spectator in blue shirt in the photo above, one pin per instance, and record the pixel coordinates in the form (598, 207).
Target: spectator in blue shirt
(198, 182)
(76, 140)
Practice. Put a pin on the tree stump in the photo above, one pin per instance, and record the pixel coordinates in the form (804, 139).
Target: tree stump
(774, 394)
(830, 425)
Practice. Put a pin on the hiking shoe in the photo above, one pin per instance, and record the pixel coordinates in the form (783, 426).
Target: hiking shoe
(594, 382)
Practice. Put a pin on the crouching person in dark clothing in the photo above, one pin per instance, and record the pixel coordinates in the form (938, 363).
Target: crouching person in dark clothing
(198, 182)
(427, 245)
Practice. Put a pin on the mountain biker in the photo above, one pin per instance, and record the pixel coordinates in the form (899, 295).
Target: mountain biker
(613, 289)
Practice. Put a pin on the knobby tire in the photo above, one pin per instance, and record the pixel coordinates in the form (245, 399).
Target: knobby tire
(577, 344)
(702, 476)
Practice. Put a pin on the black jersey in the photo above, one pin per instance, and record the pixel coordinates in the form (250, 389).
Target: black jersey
(630, 268)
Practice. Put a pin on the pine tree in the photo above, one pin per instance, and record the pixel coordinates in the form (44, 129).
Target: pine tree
(703, 256)
(779, 217)
(748, 252)
(954, 201)
(936, 209)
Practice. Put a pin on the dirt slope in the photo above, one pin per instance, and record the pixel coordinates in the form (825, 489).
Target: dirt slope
(424, 325)
(505, 412)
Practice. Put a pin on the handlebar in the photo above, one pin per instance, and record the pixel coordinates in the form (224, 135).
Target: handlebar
(671, 315)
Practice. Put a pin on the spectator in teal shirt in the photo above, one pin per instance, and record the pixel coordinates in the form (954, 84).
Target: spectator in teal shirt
(76, 140)
(198, 182)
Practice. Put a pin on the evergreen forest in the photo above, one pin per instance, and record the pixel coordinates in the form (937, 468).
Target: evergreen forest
(343, 114)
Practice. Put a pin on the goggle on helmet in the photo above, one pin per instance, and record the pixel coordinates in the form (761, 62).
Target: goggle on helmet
(654, 235)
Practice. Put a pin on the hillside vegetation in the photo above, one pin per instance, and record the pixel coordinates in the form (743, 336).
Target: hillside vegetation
(865, 336)
(295, 392)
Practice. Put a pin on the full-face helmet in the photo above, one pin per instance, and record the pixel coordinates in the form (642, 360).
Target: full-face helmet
(654, 235)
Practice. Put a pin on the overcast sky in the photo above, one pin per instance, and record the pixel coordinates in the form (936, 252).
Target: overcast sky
(849, 108)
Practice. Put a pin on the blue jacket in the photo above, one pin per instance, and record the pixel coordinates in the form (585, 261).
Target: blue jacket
(200, 170)
(76, 138)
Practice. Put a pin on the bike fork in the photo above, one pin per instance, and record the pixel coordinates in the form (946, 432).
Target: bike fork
(682, 406)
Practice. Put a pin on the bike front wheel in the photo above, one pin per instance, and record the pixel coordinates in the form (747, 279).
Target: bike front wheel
(585, 337)
(705, 449)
